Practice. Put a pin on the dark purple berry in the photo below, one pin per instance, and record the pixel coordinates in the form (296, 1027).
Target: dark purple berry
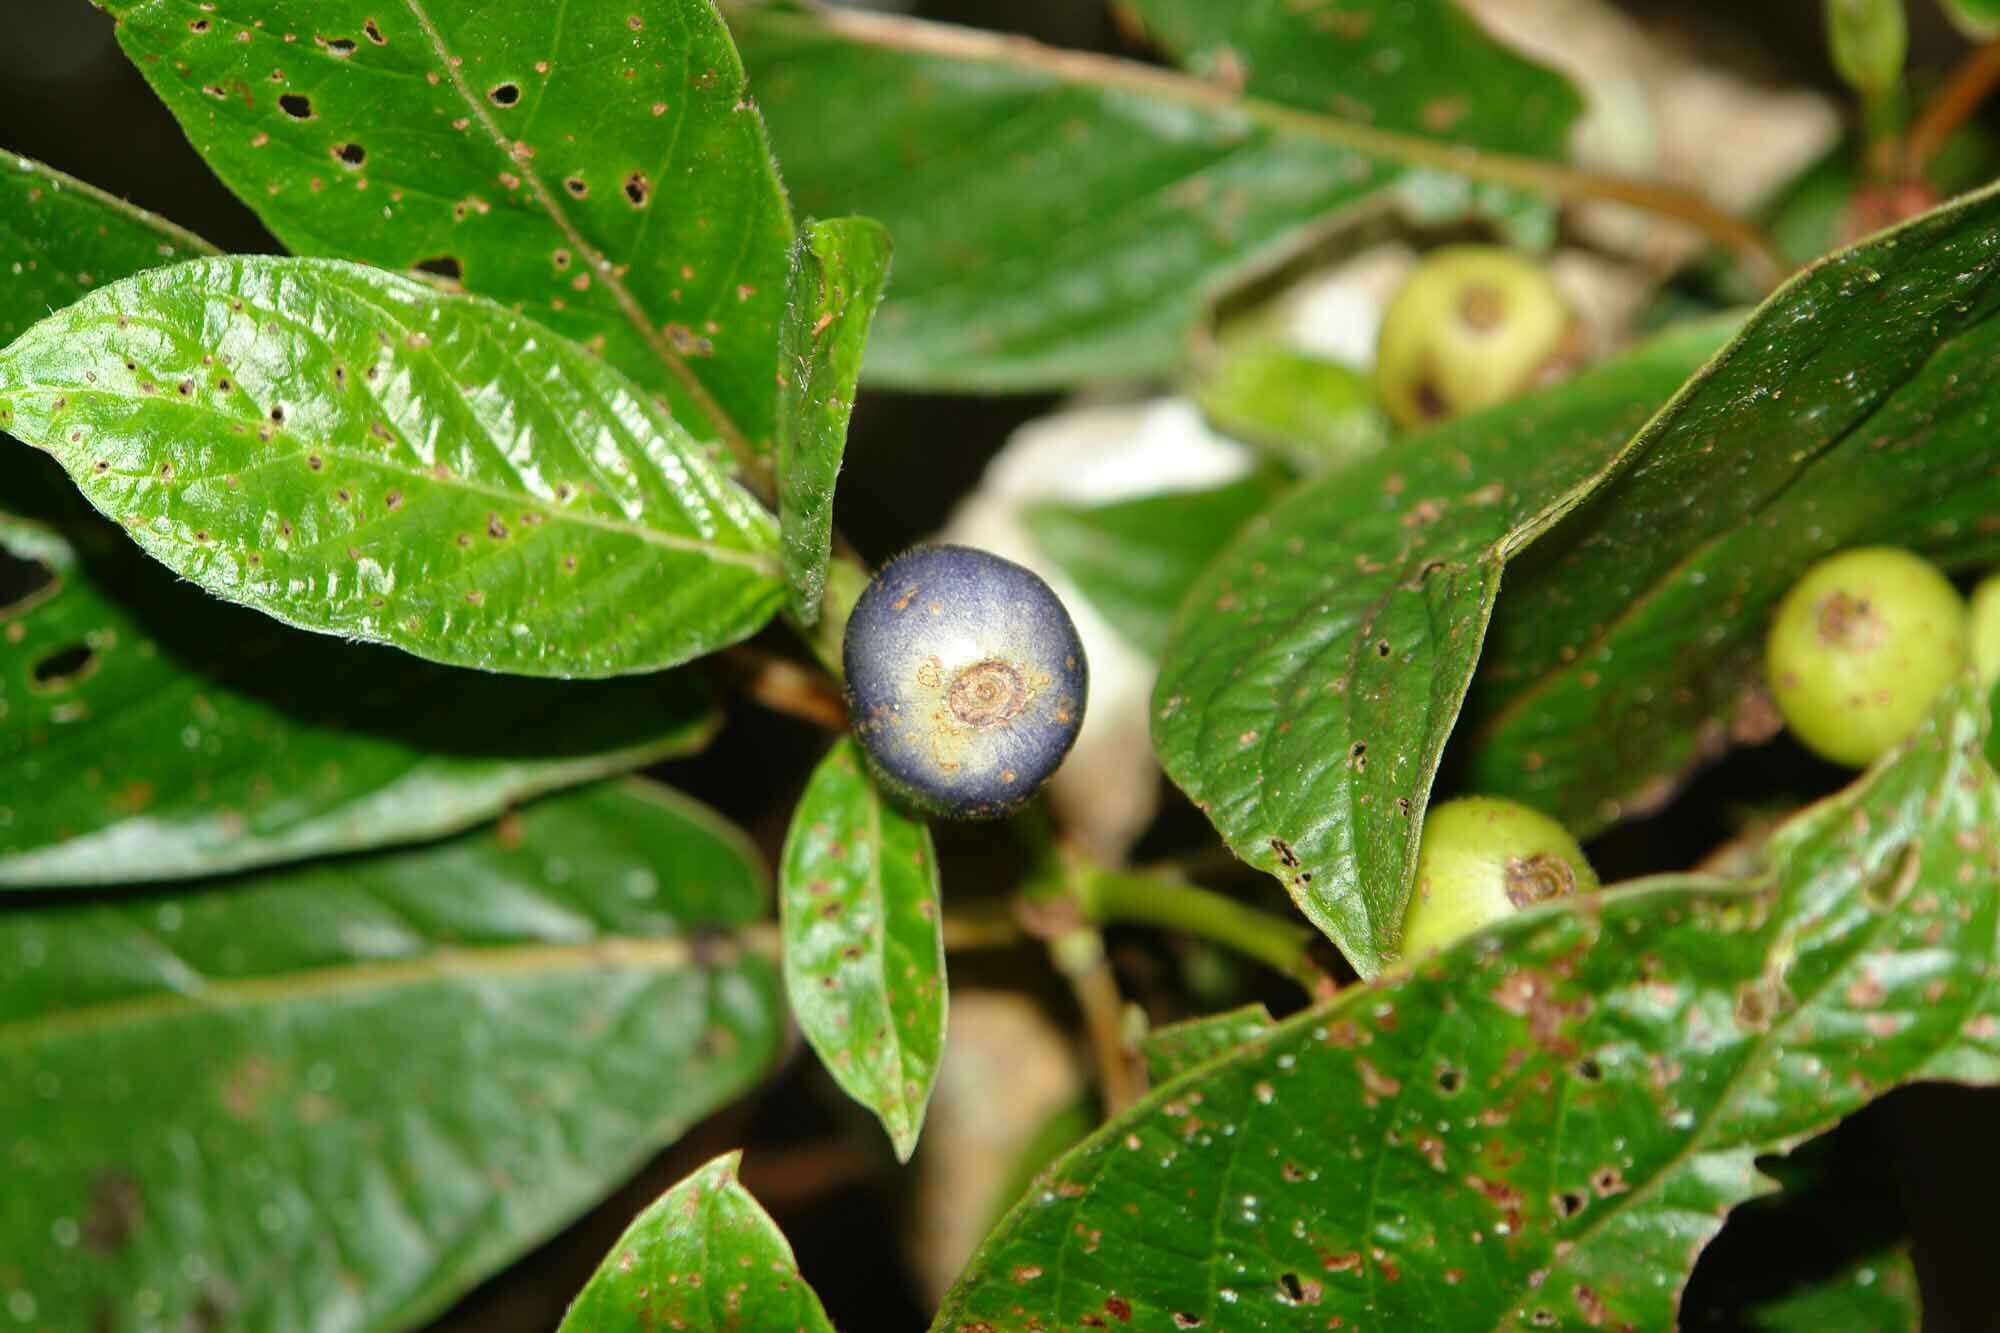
(965, 681)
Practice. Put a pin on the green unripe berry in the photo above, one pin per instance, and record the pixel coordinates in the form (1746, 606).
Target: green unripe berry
(1482, 859)
(1860, 649)
(1471, 326)
(1986, 629)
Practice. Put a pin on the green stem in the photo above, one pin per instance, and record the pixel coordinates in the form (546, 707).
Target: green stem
(1108, 896)
(846, 577)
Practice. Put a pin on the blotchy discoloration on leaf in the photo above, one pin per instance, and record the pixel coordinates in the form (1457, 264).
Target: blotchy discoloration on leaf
(703, 1258)
(367, 1084)
(357, 453)
(1538, 1122)
(864, 942)
(598, 167)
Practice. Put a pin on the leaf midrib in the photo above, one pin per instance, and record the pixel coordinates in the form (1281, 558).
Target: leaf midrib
(665, 954)
(418, 476)
(591, 255)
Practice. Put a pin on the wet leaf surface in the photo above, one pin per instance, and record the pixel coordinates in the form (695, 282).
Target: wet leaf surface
(338, 1096)
(1097, 205)
(1136, 559)
(1315, 668)
(1541, 1126)
(597, 167)
(356, 453)
(704, 1258)
(152, 732)
(864, 943)
(839, 269)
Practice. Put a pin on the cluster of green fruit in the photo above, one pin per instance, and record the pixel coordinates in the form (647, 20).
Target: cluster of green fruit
(1858, 653)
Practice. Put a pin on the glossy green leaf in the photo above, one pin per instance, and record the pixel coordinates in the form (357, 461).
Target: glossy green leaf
(1855, 408)
(864, 943)
(1173, 1050)
(1543, 1125)
(357, 453)
(703, 1257)
(1135, 559)
(1879, 1293)
(1096, 206)
(61, 238)
(1316, 667)
(839, 269)
(596, 166)
(336, 1097)
(152, 732)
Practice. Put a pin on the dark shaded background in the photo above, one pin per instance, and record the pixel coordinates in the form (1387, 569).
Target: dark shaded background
(1920, 1162)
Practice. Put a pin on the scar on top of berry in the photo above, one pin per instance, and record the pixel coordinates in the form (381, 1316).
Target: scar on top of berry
(1860, 649)
(966, 681)
(1471, 326)
(1481, 860)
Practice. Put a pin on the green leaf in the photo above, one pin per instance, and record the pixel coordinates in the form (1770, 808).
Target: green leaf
(864, 943)
(703, 1257)
(1541, 1126)
(181, 736)
(1425, 69)
(839, 269)
(1878, 1292)
(1099, 205)
(1853, 409)
(359, 454)
(598, 167)
(1317, 415)
(1316, 667)
(1977, 19)
(1135, 559)
(339, 1096)
(63, 237)
(1173, 1050)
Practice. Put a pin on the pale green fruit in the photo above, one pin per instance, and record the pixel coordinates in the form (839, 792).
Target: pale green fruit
(1471, 326)
(1483, 859)
(1986, 629)
(1860, 649)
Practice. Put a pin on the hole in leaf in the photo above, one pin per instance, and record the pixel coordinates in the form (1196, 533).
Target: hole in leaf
(1182, 1319)
(198, 26)
(63, 668)
(23, 583)
(447, 267)
(374, 33)
(296, 105)
(350, 155)
(278, 413)
(576, 185)
(342, 46)
(1588, 1068)
(1569, 1203)
(638, 190)
(504, 94)
(1289, 1283)
(1450, 1080)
